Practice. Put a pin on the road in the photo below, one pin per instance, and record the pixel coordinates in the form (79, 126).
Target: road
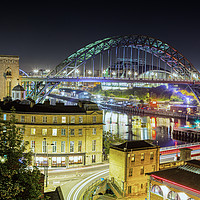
(74, 181)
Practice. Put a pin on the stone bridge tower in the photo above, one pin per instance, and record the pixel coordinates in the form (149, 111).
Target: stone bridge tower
(9, 74)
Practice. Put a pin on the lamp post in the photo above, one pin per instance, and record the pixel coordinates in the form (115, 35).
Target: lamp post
(46, 169)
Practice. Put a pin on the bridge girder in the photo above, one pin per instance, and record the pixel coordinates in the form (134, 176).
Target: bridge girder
(164, 51)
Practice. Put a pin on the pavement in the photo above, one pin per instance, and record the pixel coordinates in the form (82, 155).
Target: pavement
(67, 178)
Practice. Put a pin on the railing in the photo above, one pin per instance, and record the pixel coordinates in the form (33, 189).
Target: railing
(179, 146)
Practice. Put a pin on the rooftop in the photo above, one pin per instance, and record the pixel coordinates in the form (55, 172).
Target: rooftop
(185, 176)
(40, 108)
(134, 145)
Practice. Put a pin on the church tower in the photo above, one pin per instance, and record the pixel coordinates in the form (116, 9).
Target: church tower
(9, 74)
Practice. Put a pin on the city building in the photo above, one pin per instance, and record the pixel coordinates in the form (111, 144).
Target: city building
(128, 164)
(178, 183)
(59, 136)
(78, 94)
(9, 74)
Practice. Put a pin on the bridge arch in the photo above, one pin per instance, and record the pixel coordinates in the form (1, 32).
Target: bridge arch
(175, 61)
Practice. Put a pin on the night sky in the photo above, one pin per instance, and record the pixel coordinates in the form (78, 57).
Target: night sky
(44, 35)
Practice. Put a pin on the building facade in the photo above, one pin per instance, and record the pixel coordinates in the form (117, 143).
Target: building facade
(60, 136)
(9, 74)
(178, 183)
(128, 164)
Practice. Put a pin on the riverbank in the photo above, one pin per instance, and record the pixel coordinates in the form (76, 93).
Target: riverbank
(150, 112)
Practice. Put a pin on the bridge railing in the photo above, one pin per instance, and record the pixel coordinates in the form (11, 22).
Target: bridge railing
(179, 146)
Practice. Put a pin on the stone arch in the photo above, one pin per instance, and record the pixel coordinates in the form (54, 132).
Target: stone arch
(157, 190)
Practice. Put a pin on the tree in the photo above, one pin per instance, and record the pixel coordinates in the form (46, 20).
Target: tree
(17, 180)
(109, 139)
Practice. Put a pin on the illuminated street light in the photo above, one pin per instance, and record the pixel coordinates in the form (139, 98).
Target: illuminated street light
(35, 71)
(89, 72)
(47, 70)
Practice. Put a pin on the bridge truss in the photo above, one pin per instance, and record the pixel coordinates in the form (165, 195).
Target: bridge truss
(130, 57)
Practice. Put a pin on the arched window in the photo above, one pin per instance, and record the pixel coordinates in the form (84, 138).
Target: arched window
(8, 72)
(173, 196)
(157, 190)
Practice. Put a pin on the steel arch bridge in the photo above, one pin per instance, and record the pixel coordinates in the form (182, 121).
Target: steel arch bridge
(117, 59)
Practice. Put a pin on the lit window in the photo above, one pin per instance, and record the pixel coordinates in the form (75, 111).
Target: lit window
(44, 146)
(54, 132)
(54, 146)
(44, 131)
(72, 120)
(4, 116)
(79, 146)
(71, 146)
(33, 130)
(80, 120)
(142, 156)
(63, 119)
(93, 158)
(62, 146)
(133, 158)
(142, 170)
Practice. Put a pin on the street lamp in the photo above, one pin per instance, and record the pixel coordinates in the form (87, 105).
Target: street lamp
(46, 169)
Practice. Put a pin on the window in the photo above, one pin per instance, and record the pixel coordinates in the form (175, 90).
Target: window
(129, 189)
(4, 116)
(130, 171)
(93, 158)
(173, 196)
(80, 120)
(72, 132)
(33, 130)
(142, 186)
(72, 120)
(54, 131)
(62, 146)
(151, 155)
(71, 146)
(22, 118)
(44, 146)
(94, 131)
(79, 146)
(22, 130)
(63, 119)
(33, 119)
(94, 119)
(44, 131)
(17, 95)
(54, 120)
(142, 170)
(157, 190)
(44, 119)
(133, 158)
(33, 146)
(54, 146)
(80, 131)
(63, 131)
(142, 156)
(93, 145)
